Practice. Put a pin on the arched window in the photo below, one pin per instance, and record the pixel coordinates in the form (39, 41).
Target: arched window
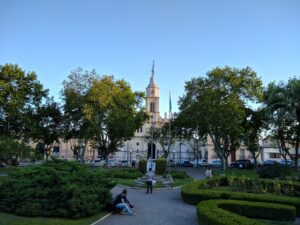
(152, 107)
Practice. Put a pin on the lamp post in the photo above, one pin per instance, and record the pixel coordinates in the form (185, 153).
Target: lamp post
(152, 128)
(130, 152)
(173, 155)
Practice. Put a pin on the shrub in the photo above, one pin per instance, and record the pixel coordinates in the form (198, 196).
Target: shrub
(124, 173)
(179, 174)
(232, 212)
(143, 166)
(161, 165)
(197, 191)
(274, 171)
(56, 189)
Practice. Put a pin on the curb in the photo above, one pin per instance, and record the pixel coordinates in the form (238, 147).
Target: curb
(103, 218)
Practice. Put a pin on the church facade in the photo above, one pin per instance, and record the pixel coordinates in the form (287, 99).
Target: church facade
(139, 146)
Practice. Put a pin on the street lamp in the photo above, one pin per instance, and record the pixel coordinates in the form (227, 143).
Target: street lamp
(130, 152)
(173, 155)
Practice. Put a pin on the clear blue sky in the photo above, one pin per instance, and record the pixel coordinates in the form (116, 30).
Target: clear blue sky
(122, 37)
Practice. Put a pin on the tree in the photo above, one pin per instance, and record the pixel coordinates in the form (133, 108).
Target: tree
(253, 124)
(283, 103)
(113, 112)
(20, 94)
(46, 128)
(217, 105)
(74, 94)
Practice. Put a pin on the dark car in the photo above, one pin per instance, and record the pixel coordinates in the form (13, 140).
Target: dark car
(2, 164)
(242, 164)
(270, 162)
(187, 163)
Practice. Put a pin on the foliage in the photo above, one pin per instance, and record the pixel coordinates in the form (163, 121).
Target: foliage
(197, 191)
(220, 98)
(11, 219)
(143, 166)
(254, 122)
(11, 150)
(55, 189)
(179, 174)
(124, 173)
(274, 171)
(20, 94)
(160, 166)
(283, 103)
(232, 212)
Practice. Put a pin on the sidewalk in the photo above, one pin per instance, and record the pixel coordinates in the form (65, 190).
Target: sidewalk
(163, 207)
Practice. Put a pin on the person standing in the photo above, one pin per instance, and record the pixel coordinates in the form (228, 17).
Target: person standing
(149, 182)
(208, 172)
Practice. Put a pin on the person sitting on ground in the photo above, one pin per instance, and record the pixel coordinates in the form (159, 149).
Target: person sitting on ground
(208, 172)
(150, 177)
(122, 204)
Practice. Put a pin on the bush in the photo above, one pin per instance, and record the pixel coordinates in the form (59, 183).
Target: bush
(274, 171)
(232, 212)
(124, 173)
(56, 189)
(197, 191)
(161, 165)
(179, 174)
(142, 166)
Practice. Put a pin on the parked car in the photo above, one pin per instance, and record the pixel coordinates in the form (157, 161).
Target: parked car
(287, 162)
(184, 163)
(3, 164)
(258, 162)
(112, 163)
(97, 162)
(270, 162)
(215, 163)
(242, 164)
(201, 162)
(25, 163)
(172, 163)
(124, 163)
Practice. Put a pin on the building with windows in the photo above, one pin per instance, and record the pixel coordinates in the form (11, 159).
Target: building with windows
(139, 147)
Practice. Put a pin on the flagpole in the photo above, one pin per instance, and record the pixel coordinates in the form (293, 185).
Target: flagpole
(169, 142)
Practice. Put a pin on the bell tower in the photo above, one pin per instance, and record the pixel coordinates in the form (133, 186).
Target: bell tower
(152, 98)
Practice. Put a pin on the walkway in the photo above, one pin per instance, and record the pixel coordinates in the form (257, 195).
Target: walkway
(163, 207)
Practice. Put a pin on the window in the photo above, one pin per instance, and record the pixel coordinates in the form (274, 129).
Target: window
(274, 155)
(152, 107)
(242, 154)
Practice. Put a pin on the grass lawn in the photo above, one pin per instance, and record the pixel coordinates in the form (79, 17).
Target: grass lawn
(11, 219)
(180, 182)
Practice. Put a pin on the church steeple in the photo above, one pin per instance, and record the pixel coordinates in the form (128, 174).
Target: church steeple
(152, 97)
(152, 80)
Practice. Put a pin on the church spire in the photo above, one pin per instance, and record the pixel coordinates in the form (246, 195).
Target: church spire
(152, 81)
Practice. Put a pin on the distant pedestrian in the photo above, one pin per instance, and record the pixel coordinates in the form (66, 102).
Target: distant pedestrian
(150, 178)
(208, 172)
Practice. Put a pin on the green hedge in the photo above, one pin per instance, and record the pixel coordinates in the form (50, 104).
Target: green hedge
(179, 174)
(197, 191)
(56, 189)
(233, 212)
(143, 166)
(160, 166)
(124, 173)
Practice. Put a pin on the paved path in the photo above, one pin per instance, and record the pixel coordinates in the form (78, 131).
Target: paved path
(163, 207)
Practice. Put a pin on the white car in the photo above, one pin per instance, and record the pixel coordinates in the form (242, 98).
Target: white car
(97, 162)
(112, 163)
(201, 162)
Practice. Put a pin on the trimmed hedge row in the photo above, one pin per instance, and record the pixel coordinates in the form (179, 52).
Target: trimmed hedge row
(124, 173)
(233, 212)
(196, 191)
(161, 165)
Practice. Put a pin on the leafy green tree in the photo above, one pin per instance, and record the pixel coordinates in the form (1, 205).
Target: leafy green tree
(254, 122)
(46, 126)
(20, 94)
(113, 112)
(283, 103)
(74, 96)
(217, 105)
